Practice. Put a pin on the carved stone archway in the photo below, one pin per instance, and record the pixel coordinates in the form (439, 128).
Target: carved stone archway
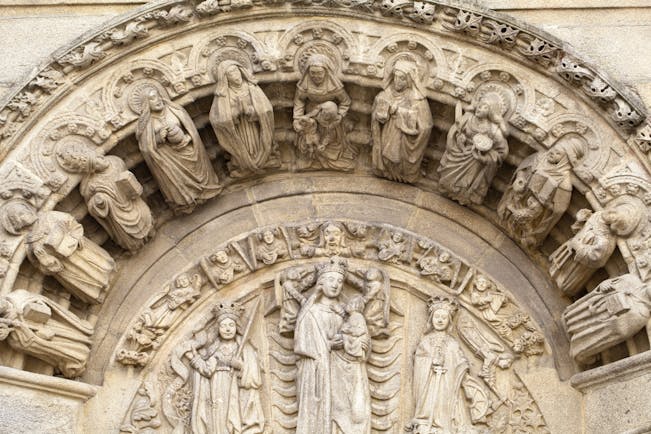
(271, 215)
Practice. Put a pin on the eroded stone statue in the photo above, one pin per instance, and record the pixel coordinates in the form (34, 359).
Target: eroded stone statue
(224, 376)
(39, 327)
(57, 247)
(174, 152)
(401, 124)
(611, 313)
(112, 195)
(242, 118)
(476, 146)
(539, 193)
(320, 105)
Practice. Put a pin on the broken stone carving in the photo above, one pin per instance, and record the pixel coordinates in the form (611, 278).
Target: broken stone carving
(540, 192)
(143, 416)
(243, 119)
(320, 105)
(476, 146)
(401, 124)
(37, 326)
(57, 247)
(611, 313)
(173, 150)
(574, 261)
(222, 370)
(447, 398)
(112, 195)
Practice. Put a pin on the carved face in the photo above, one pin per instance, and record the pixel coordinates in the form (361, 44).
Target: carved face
(332, 235)
(400, 81)
(481, 284)
(444, 257)
(182, 281)
(234, 76)
(101, 163)
(482, 110)
(555, 155)
(396, 237)
(227, 329)
(156, 103)
(317, 74)
(22, 217)
(268, 237)
(440, 319)
(220, 257)
(331, 283)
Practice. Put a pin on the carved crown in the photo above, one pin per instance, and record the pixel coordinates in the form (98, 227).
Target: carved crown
(336, 264)
(437, 302)
(232, 310)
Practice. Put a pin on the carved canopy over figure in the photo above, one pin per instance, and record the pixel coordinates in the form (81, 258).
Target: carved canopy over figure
(39, 327)
(540, 192)
(401, 124)
(614, 311)
(224, 376)
(320, 105)
(448, 400)
(242, 118)
(174, 152)
(56, 246)
(476, 146)
(112, 195)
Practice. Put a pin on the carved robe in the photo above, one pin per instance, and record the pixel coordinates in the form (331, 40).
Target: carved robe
(247, 138)
(400, 138)
(113, 199)
(47, 331)
(177, 158)
(57, 246)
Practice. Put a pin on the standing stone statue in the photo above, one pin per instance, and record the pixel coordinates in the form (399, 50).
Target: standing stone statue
(174, 152)
(224, 374)
(401, 124)
(447, 399)
(611, 313)
(320, 105)
(242, 118)
(539, 193)
(476, 147)
(39, 327)
(112, 195)
(57, 247)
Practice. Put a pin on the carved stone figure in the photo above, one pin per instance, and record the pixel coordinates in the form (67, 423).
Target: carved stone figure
(242, 118)
(611, 313)
(37, 326)
(332, 242)
(476, 146)
(224, 373)
(447, 398)
(576, 259)
(320, 105)
(56, 246)
(443, 268)
(489, 301)
(270, 248)
(539, 193)
(221, 268)
(394, 248)
(401, 124)
(112, 195)
(174, 152)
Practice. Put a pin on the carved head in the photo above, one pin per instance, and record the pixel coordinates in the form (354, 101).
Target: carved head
(441, 311)
(17, 215)
(355, 304)
(623, 215)
(482, 283)
(405, 74)
(333, 235)
(330, 280)
(220, 257)
(318, 68)
(444, 257)
(77, 158)
(397, 237)
(182, 281)
(227, 316)
(155, 101)
(234, 76)
(268, 237)
(227, 329)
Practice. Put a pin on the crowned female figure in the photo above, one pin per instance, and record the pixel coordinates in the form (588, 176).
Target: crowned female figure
(476, 146)
(320, 105)
(39, 327)
(225, 377)
(448, 400)
(174, 153)
(242, 118)
(401, 124)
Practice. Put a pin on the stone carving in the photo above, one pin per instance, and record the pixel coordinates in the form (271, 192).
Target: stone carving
(401, 124)
(223, 375)
(271, 245)
(595, 240)
(173, 150)
(222, 266)
(476, 146)
(145, 335)
(57, 247)
(143, 416)
(447, 398)
(540, 193)
(331, 240)
(611, 313)
(439, 265)
(39, 327)
(243, 119)
(394, 247)
(112, 195)
(320, 105)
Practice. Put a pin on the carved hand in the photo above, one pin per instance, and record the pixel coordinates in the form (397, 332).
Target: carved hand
(337, 342)
(236, 364)
(51, 264)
